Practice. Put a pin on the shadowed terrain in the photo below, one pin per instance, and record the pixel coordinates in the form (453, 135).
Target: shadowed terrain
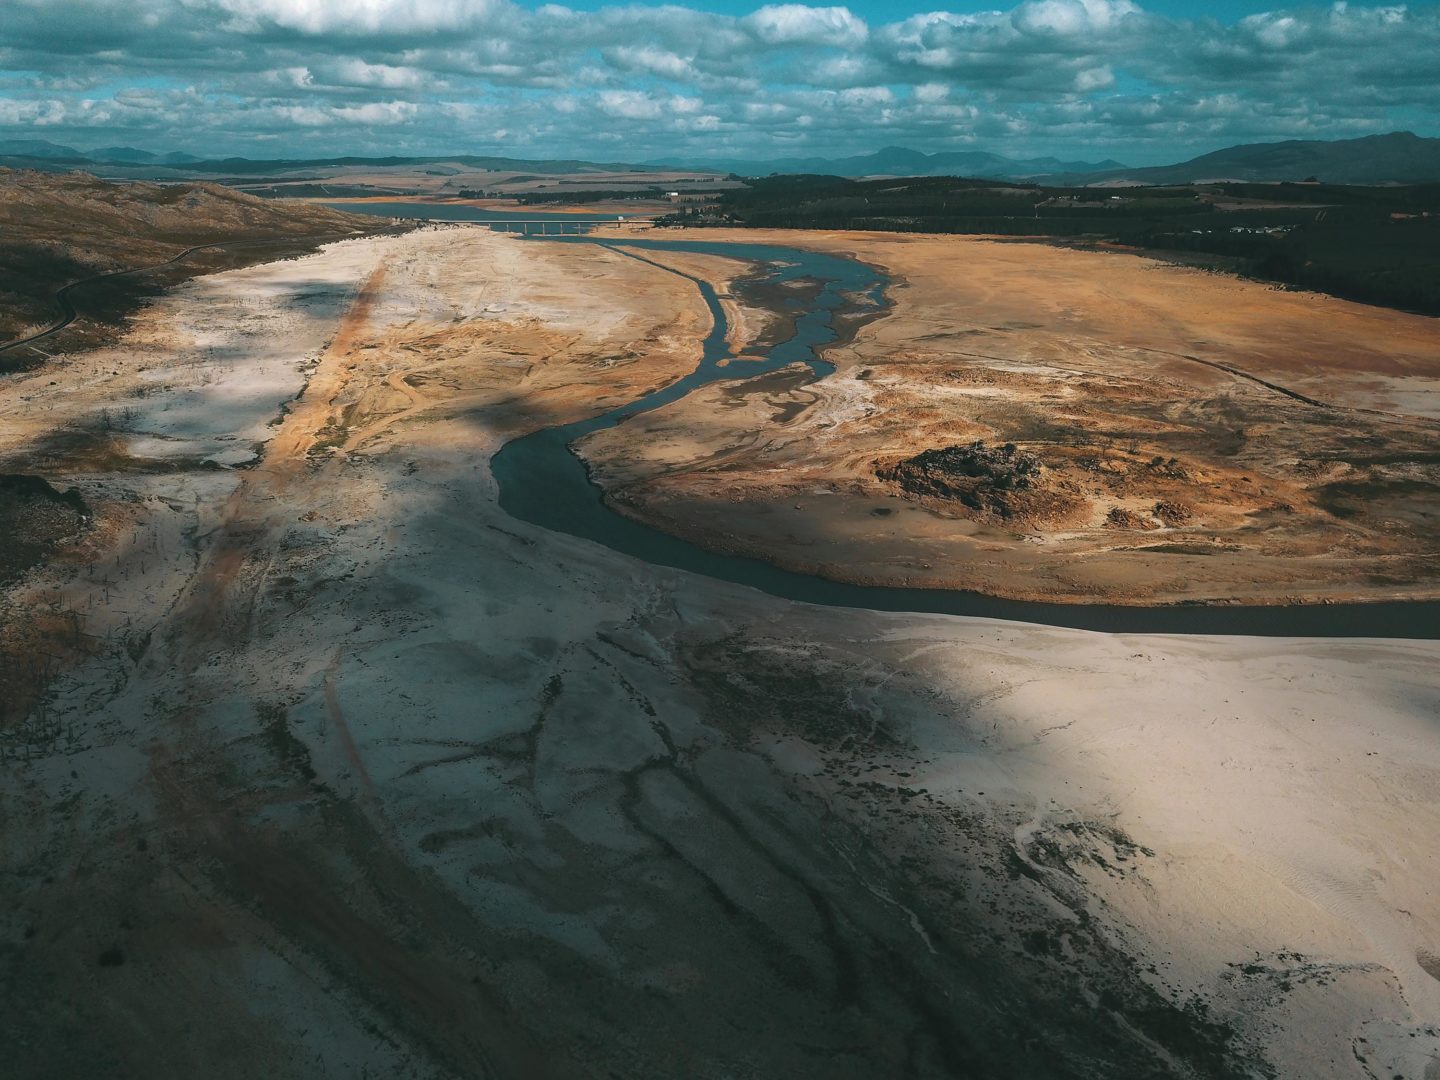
(56, 229)
(343, 770)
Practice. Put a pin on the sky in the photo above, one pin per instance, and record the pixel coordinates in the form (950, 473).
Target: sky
(1143, 82)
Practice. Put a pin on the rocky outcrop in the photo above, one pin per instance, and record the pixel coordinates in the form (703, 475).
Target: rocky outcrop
(1002, 482)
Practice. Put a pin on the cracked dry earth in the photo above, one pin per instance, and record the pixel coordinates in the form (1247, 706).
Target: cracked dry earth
(345, 773)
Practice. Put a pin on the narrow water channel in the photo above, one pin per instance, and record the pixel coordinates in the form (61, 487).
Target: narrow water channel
(556, 221)
(543, 482)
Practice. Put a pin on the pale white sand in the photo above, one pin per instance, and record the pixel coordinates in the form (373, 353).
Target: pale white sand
(1251, 823)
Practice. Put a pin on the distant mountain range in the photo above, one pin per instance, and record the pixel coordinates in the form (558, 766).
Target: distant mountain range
(898, 161)
(1399, 157)
(128, 161)
(127, 155)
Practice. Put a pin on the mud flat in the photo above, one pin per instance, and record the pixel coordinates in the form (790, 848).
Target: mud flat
(1199, 438)
(351, 770)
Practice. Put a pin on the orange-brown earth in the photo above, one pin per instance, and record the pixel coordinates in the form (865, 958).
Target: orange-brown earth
(339, 770)
(1199, 437)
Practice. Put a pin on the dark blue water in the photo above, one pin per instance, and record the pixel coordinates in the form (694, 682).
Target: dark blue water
(542, 481)
(461, 212)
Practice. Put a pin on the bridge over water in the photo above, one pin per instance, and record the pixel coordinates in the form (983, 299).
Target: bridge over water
(523, 220)
(542, 225)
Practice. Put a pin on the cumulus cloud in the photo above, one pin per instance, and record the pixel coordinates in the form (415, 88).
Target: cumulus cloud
(650, 60)
(362, 16)
(648, 80)
(796, 24)
(1070, 18)
(352, 71)
(630, 105)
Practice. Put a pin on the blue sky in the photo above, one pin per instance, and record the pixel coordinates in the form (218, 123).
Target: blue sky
(1141, 81)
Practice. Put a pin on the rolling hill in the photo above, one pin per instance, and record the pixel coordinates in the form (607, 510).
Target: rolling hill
(130, 163)
(57, 229)
(1400, 157)
(899, 161)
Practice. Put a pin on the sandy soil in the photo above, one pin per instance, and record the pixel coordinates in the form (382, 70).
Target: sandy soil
(355, 774)
(1202, 437)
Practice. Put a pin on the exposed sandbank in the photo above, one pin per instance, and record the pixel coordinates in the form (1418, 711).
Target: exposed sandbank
(1203, 438)
(364, 774)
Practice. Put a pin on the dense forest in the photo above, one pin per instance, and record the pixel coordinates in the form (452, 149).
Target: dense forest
(1378, 245)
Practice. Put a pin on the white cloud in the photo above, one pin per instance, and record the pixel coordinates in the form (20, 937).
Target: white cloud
(374, 113)
(650, 80)
(352, 71)
(867, 96)
(1096, 78)
(1069, 17)
(654, 61)
(366, 16)
(797, 24)
(630, 105)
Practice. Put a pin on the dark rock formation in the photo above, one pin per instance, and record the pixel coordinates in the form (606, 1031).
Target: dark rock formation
(989, 479)
(34, 518)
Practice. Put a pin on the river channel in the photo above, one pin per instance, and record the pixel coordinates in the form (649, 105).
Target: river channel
(542, 481)
(479, 215)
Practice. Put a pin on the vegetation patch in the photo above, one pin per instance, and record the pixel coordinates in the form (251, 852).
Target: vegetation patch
(1378, 245)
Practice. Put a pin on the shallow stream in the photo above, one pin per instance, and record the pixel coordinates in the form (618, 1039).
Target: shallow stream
(542, 481)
